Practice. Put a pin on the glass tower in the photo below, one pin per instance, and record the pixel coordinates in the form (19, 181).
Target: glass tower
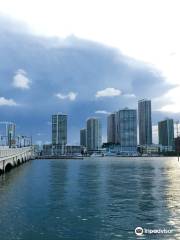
(126, 128)
(166, 132)
(83, 137)
(59, 129)
(11, 131)
(145, 122)
(111, 128)
(94, 137)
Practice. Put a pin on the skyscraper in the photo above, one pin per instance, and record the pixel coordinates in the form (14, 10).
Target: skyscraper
(59, 129)
(83, 137)
(111, 128)
(11, 132)
(94, 137)
(126, 129)
(177, 145)
(145, 122)
(166, 133)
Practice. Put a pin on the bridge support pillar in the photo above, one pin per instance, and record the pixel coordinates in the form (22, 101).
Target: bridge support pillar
(3, 166)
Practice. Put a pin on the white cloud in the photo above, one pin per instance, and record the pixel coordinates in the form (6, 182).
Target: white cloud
(174, 106)
(170, 108)
(21, 80)
(108, 92)
(102, 112)
(7, 102)
(70, 96)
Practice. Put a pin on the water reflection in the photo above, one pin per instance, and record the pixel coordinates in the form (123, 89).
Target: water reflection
(172, 196)
(91, 199)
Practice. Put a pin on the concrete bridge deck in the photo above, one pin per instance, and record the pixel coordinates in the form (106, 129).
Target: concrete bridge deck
(12, 157)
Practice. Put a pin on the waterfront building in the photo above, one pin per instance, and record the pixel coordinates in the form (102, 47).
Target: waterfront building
(111, 128)
(126, 130)
(59, 150)
(83, 137)
(73, 150)
(177, 144)
(53, 150)
(149, 150)
(145, 122)
(94, 135)
(47, 150)
(59, 129)
(166, 134)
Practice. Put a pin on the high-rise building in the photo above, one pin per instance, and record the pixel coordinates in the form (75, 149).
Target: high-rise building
(111, 128)
(83, 137)
(177, 145)
(11, 132)
(126, 129)
(145, 122)
(94, 137)
(59, 129)
(166, 133)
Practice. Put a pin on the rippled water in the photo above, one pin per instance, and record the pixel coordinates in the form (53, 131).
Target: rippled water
(90, 199)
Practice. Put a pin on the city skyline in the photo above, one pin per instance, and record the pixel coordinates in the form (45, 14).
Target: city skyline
(57, 129)
(122, 116)
(131, 120)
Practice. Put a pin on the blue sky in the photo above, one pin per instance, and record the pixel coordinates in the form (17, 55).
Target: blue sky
(42, 75)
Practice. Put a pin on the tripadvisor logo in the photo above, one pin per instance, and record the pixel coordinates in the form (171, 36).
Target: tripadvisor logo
(139, 231)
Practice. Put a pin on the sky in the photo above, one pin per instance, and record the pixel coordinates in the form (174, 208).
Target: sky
(87, 58)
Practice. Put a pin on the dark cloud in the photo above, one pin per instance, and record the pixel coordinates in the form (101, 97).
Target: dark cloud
(64, 65)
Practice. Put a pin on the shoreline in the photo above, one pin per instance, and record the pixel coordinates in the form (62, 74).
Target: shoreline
(99, 157)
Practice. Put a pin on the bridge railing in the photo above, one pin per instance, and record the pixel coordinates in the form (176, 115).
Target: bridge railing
(8, 152)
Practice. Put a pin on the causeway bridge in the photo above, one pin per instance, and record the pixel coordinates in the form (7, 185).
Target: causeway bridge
(13, 157)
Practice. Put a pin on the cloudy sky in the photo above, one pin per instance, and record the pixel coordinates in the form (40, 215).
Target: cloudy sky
(86, 58)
